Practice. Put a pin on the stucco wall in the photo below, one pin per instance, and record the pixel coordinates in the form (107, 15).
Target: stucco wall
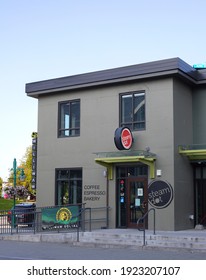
(159, 137)
(183, 134)
(168, 116)
(199, 112)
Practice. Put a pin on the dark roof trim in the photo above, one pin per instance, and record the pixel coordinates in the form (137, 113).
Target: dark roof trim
(145, 70)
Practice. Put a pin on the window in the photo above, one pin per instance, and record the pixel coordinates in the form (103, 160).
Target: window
(132, 110)
(68, 186)
(69, 118)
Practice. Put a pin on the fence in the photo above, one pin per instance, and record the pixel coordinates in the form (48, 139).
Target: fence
(64, 218)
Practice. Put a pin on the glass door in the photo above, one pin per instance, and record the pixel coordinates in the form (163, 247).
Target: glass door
(201, 202)
(131, 194)
(137, 199)
(200, 194)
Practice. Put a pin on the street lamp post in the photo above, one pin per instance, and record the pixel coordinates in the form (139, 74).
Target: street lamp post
(14, 185)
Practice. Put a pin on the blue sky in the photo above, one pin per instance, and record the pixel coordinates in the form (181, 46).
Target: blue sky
(44, 39)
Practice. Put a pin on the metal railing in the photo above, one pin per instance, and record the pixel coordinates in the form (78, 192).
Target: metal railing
(84, 220)
(142, 219)
(99, 217)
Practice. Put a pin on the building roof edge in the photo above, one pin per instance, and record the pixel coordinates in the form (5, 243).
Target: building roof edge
(160, 67)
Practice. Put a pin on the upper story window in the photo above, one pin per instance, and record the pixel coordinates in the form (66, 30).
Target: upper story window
(132, 110)
(69, 118)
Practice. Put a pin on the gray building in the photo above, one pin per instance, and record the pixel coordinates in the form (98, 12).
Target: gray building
(130, 138)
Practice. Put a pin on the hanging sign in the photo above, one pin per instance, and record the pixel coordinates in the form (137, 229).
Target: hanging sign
(34, 159)
(160, 194)
(123, 138)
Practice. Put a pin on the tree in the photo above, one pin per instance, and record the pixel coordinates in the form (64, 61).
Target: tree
(26, 167)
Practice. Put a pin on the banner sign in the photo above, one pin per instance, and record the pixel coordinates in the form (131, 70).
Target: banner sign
(60, 216)
(34, 159)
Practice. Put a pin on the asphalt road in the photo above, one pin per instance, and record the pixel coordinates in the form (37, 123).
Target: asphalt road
(15, 250)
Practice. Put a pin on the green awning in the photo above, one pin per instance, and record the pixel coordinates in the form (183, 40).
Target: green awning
(109, 159)
(193, 152)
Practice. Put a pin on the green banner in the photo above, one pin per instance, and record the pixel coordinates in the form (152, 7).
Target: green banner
(60, 216)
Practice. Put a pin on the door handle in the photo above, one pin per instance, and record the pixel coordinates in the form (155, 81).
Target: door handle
(144, 204)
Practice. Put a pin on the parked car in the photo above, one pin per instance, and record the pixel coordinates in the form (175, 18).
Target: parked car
(24, 214)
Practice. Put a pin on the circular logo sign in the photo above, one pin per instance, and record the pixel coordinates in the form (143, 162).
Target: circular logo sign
(63, 214)
(160, 194)
(126, 138)
(123, 138)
